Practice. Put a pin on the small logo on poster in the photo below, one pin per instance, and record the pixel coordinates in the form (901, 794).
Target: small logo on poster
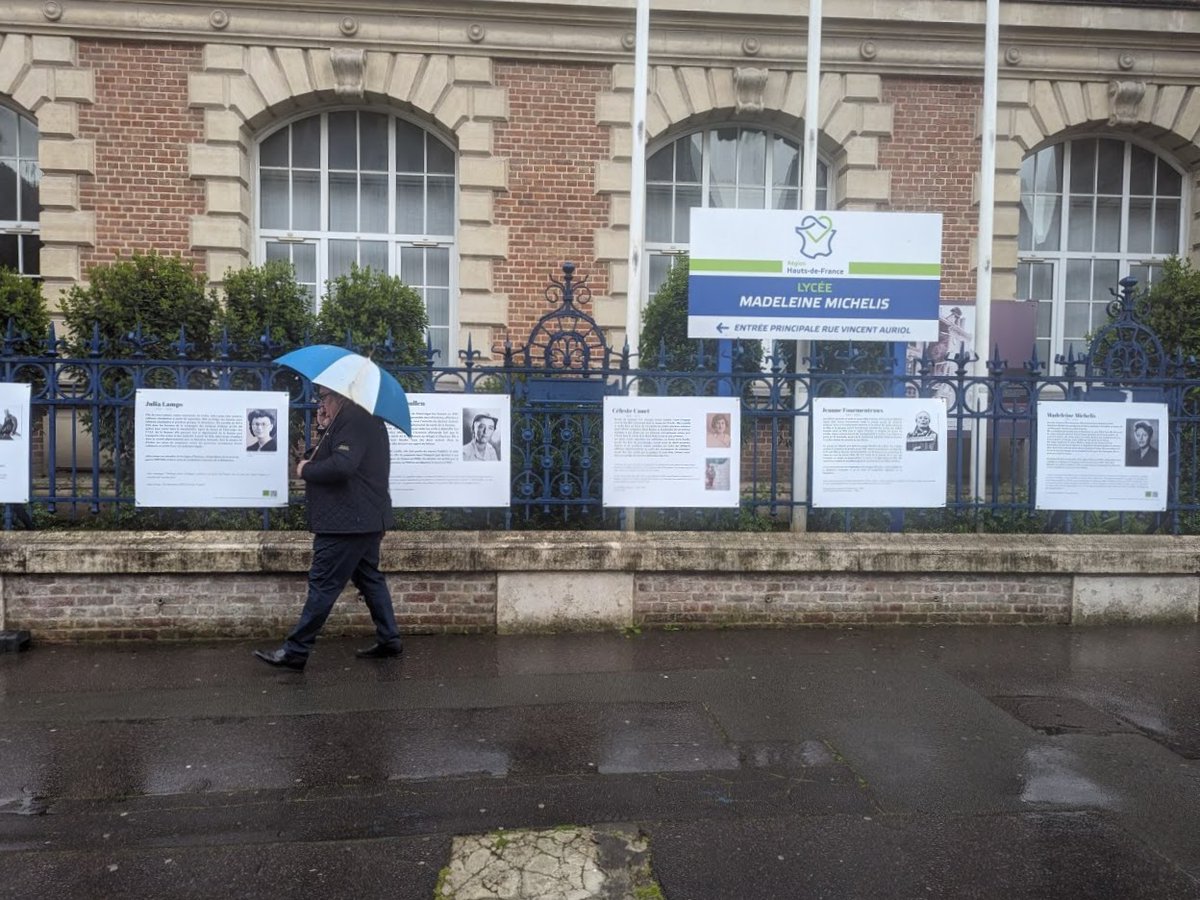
(816, 236)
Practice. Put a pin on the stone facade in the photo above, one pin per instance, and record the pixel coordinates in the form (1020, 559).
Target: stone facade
(149, 113)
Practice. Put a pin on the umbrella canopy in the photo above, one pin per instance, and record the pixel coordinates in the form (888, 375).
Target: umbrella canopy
(355, 377)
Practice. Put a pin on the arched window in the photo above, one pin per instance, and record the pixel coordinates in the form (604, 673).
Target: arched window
(352, 186)
(1093, 210)
(727, 166)
(19, 178)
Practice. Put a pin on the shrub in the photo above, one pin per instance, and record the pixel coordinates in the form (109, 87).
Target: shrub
(370, 306)
(21, 302)
(159, 293)
(664, 321)
(1171, 307)
(262, 299)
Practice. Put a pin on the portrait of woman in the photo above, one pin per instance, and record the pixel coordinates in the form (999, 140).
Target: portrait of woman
(261, 423)
(718, 430)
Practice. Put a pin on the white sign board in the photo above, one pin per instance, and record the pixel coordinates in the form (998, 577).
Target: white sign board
(884, 452)
(458, 455)
(211, 448)
(824, 275)
(672, 451)
(14, 443)
(1102, 456)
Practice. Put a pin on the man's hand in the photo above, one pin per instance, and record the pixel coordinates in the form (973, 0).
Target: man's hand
(300, 468)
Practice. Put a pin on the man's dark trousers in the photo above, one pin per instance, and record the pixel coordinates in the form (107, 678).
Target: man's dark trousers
(337, 559)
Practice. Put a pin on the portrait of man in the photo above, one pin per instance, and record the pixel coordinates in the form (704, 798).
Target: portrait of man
(261, 424)
(483, 442)
(1141, 446)
(922, 437)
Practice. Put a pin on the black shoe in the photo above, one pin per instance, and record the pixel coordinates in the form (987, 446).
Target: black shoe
(380, 651)
(281, 659)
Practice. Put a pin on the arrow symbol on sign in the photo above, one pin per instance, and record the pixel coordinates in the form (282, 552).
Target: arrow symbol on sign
(722, 327)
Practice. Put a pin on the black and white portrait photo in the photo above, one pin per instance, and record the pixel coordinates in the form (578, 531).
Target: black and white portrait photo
(480, 428)
(1141, 442)
(261, 424)
(922, 437)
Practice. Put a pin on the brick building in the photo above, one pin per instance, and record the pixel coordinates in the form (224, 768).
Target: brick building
(470, 148)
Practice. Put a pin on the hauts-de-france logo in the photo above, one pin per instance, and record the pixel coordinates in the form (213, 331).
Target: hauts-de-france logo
(816, 236)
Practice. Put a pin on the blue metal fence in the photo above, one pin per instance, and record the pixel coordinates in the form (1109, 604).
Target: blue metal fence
(558, 378)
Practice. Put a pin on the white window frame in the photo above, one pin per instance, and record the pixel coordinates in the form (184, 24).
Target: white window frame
(23, 226)
(395, 242)
(1146, 261)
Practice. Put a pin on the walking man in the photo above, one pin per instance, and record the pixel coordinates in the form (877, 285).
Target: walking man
(349, 508)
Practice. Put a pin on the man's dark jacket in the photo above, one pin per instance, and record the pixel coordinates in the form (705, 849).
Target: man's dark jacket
(347, 477)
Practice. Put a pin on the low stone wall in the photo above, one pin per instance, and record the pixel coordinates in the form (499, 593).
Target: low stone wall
(65, 586)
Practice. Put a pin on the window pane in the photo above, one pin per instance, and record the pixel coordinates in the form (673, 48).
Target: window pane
(722, 159)
(1077, 321)
(9, 255)
(437, 305)
(1141, 171)
(342, 254)
(1048, 179)
(306, 143)
(658, 167)
(410, 147)
(304, 260)
(1108, 224)
(659, 213)
(440, 213)
(273, 199)
(8, 132)
(1083, 167)
(437, 263)
(275, 251)
(30, 178)
(1139, 225)
(722, 198)
(785, 163)
(410, 204)
(306, 201)
(1046, 223)
(752, 158)
(8, 190)
(1110, 168)
(343, 140)
(751, 198)
(412, 265)
(1106, 274)
(660, 266)
(787, 198)
(31, 249)
(441, 157)
(28, 137)
(1079, 280)
(373, 142)
(1166, 226)
(1079, 225)
(373, 255)
(343, 201)
(1169, 181)
(374, 200)
(274, 150)
(1027, 165)
(1041, 281)
(689, 157)
(686, 199)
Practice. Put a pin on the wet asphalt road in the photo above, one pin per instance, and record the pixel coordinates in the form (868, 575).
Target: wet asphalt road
(909, 763)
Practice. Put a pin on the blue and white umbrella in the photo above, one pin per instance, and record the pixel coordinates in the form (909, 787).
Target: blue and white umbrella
(355, 377)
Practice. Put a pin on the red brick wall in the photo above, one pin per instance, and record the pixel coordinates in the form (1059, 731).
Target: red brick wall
(141, 193)
(218, 605)
(846, 599)
(551, 142)
(932, 156)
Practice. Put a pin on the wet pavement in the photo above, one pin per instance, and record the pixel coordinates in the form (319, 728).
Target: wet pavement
(927, 762)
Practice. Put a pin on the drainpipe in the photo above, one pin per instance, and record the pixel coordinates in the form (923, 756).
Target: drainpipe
(808, 201)
(983, 272)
